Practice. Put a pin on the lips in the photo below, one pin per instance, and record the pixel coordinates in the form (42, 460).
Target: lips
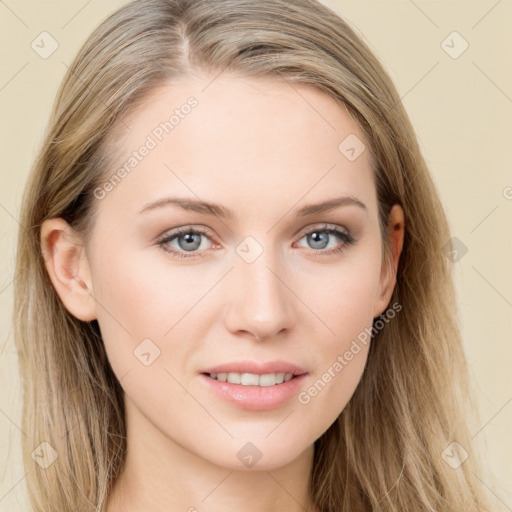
(256, 367)
(254, 398)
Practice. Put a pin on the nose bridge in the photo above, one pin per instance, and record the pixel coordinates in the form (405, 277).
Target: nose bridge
(260, 302)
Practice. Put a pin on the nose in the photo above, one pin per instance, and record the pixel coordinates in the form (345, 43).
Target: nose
(260, 301)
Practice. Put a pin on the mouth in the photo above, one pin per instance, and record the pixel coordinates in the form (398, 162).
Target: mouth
(252, 379)
(254, 391)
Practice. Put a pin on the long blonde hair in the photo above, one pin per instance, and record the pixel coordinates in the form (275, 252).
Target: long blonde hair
(385, 450)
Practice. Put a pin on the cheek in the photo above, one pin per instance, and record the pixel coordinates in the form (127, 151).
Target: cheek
(342, 355)
(343, 305)
(144, 289)
(137, 302)
(342, 294)
(141, 305)
(154, 320)
(327, 393)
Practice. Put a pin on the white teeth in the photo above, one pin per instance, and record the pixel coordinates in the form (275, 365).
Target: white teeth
(252, 379)
(249, 379)
(268, 379)
(234, 378)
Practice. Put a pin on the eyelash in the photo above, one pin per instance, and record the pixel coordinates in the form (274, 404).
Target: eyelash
(346, 237)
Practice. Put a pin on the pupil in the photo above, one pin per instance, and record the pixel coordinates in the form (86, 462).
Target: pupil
(190, 238)
(319, 239)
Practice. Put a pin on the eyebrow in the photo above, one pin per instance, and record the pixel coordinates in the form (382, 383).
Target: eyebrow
(221, 211)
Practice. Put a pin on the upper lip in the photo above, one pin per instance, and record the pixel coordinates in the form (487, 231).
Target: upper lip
(256, 367)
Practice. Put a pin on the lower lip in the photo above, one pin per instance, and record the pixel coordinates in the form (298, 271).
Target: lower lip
(255, 398)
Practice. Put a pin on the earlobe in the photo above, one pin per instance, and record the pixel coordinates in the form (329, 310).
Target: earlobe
(396, 230)
(67, 265)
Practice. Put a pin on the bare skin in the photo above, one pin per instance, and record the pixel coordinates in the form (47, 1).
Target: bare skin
(262, 150)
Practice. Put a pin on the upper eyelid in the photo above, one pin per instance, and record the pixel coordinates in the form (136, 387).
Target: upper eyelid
(174, 233)
(183, 230)
(324, 227)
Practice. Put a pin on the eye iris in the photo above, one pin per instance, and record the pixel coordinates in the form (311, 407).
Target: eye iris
(191, 238)
(318, 239)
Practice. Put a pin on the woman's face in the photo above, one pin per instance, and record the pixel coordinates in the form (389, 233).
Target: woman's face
(260, 279)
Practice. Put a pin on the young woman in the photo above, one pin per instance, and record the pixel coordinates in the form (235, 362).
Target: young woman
(233, 291)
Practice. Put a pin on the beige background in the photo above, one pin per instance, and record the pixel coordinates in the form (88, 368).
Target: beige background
(461, 109)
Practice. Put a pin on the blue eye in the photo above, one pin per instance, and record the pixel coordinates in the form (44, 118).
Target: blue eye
(319, 238)
(189, 240)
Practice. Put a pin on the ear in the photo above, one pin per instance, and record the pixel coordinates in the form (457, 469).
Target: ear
(387, 280)
(68, 267)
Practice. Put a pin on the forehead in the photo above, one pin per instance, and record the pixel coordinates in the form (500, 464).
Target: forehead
(229, 138)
